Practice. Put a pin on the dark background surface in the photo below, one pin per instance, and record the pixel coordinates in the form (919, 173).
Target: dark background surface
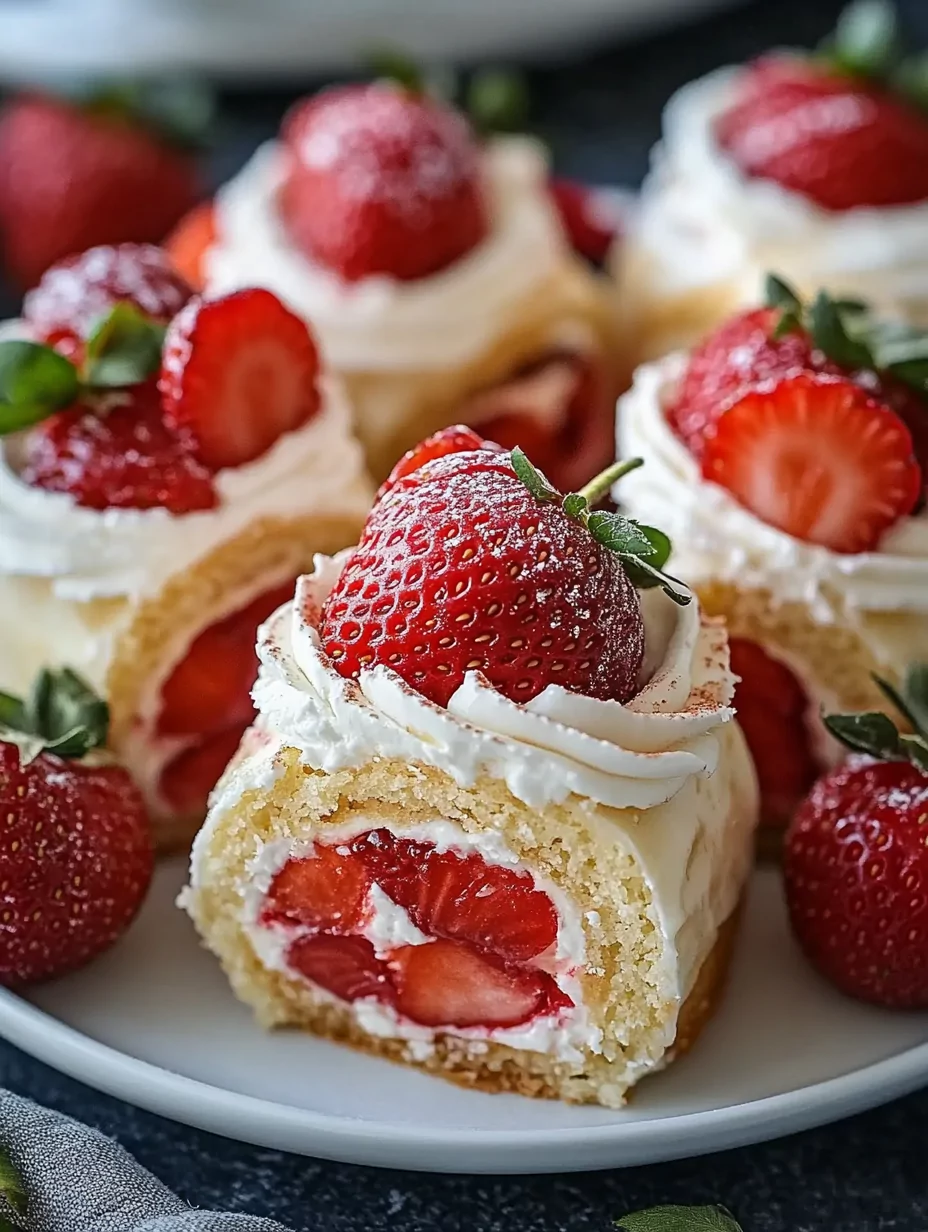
(869, 1173)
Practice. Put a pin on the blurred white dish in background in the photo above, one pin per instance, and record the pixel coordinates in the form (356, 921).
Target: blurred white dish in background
(260, 39)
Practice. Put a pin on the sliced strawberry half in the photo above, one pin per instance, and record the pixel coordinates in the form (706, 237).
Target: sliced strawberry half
(347, 967)
(817, 457)
(326, 889)
(452, 984)
(237, 374)
(187, 780)
(210, 688)
(462, 896)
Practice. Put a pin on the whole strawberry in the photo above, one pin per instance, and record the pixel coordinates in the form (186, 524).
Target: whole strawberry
(73, 175)
(856, 860)
(382, 180)
(844, 129)
(75, 856)
(473, 562)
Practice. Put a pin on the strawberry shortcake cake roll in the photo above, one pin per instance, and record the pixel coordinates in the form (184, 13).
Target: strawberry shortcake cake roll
(436, 270)
(812, 165)
(494, 819)
(788, 455)
(158, 497)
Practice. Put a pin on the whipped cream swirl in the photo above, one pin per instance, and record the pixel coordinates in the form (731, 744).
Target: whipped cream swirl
(637, 755)
(703, 221)
(716, 538)
(90, 554)
(382, 323)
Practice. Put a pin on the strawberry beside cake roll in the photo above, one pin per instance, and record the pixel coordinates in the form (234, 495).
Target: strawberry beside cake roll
(494, 819)
(788, 455)
(435, 269)
(157, 499)
(813, 165)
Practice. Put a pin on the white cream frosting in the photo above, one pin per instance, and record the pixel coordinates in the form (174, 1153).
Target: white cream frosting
(635, 755)
(703, 222)
(382, 323)
(883, 594)
(388, 926)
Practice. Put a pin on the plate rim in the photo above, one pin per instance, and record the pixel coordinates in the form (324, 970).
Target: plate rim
(214, 1109)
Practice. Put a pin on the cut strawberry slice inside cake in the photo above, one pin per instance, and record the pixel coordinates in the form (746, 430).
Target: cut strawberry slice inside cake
(438, 270)
(493, 819)
(788, 453)
(169, 466)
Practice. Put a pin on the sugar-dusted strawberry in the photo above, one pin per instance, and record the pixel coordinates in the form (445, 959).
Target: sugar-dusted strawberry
(818, 458)
(114, 451)
(74, 295)
(453, 984)
(347, 967)
(76, 857)
(73, 176)
(189, 243)
(774, 713)
(455, 439)
(844, 128)
(560, 410)
(237, 374)
(209, 689)
(590, 221)
(459, 896)
(856, 861)
(325, 889)
(382, 180)
(475, 563)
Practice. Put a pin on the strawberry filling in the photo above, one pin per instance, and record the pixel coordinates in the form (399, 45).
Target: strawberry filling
(558, 409)
(488, 935)
(775, 714)
(206, 702)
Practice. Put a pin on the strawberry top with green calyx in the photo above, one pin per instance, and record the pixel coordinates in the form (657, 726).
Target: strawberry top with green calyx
(875, 734)
(474, 562)
(62, 715)
(123, 350)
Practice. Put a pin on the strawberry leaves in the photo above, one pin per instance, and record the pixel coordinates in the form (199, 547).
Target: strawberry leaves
(876, 734)
(846, 331)
(867, 43)
(680, 1219)
(123, 349)
(13, 1199)
(62, 715)
(643, 550)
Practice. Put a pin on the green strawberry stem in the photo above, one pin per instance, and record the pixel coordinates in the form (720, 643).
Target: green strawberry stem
(643, 550)
(601, 485)
(867, 43)
(123, 349)
(62, 715)
(876, 734)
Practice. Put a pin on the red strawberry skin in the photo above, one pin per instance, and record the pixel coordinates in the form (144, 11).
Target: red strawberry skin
(818, 458)
(75, 293)
(237, 374)
(856, 869)
(834, 139)
(187, 780)
(459, 568)
(75, 863)
(588, 228)
(456, 439)
(190, 241)
(124, 458)
(381, 181)
(70, 180)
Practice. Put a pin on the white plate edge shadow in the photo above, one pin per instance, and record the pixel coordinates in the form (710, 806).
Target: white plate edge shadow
(262, 1123)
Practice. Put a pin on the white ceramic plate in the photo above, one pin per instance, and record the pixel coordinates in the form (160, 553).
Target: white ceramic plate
(272, 38)
(154, 1022)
